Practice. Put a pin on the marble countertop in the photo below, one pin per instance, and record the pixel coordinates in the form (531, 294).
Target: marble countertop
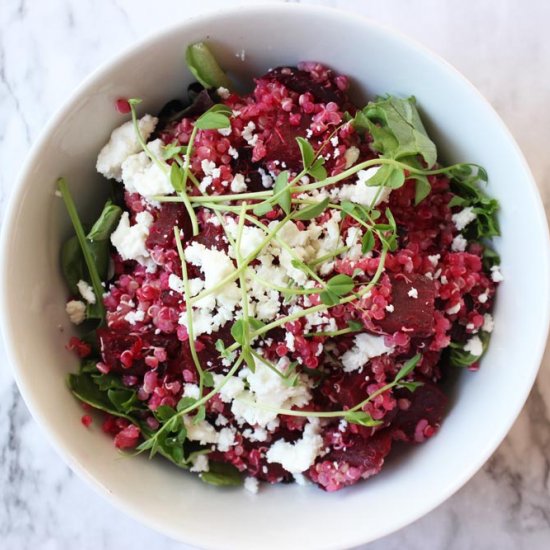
(46, 48)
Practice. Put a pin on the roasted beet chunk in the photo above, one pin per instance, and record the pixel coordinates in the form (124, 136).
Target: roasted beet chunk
(420, 413)
(300, 81)
(135, 353)
(361, 458)
(413, 299)
(162, 230)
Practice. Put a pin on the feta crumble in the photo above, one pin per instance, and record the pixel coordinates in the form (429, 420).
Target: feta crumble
(86, 291)
(496, 275)
(123, 143)
(130, 240)
(474, 346)
(133, 317)
(366, 347)
(76, 310)
(464, 217)
(360, 192)
(488, 323)
(238, 184)
(413, 293)
(199, 464)
(298, 456)
(251, 484)
(459, 244)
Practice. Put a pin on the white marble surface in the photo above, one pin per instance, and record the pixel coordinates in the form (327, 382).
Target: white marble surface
(47, 47)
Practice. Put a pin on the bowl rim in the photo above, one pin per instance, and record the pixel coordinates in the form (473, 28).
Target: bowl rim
(22, 182)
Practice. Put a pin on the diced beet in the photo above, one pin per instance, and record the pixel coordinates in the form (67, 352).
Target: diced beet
(161, 232)
(427, 403)
(137, 346)
(413, 315)
(301, 82)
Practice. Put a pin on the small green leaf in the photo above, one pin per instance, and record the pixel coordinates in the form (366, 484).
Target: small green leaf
(238, 332)
(411, 386)
(408, 367)
(173, 150)
(262, 208)
(164, 413)
(329, 298)
(362, 418)
(185, 403)
(215, 118)
(367, 242)
(255, 324)
(106, 223)
(222, 475)
(200, 416)
(307, 152)
(311, 211)
(208, 379)
(340, 284)
(204, 67)
(317, 169)
(422, 189)
(176, 177)
(281, 186)
(356, 326)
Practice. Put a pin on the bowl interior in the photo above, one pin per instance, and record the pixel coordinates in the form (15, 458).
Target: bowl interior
(36, 328)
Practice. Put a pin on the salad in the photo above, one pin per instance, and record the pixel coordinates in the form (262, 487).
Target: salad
(281, 282)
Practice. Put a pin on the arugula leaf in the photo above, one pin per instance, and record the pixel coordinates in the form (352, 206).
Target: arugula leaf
(222, 475)
(204, 67)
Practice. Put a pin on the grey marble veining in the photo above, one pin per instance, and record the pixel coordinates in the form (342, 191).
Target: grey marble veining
(46, 48)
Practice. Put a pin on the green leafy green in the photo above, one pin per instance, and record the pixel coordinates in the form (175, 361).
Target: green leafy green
(311, 211)
(458, 357)
(362, 418)
(215, 118)
(204, 67)
(313, 163)
(222, 475)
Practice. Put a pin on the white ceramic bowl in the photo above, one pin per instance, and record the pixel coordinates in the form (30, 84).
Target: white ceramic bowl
(484, 404)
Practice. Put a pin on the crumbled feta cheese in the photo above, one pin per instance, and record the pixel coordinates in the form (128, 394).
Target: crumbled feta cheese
(221, 420)
(298, 456)
(434, 259)
(133, 317)
(76, 310)
(454, 309)
(413, 293)
(233, 387)
(208, 167)
(496, 275)
(300, 479)
(233, 153)
(123, 143)
(224, 93)
(141, 175)
(248, 134)
(251, 484)
(258, 434)
(390, 308)
(267, 180)
(351, 155)
(191, 390)
(474, 346)
(488, 323)
(267, 388)
(226, 439)
(289, 341)
(334, 141)
(86, 291)
(203, 432)
(238, 184)
(130, 240)
(459, 244)
(199, 464)
(360, 192)
(483, 297)
(176, 284)
(366, 347)
(464, 217)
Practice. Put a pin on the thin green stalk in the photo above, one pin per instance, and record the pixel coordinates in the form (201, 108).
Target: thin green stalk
(189, 309)
(81, 236)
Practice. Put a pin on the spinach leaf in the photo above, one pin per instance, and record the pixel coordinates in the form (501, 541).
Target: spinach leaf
(222, 475)
(204, 67)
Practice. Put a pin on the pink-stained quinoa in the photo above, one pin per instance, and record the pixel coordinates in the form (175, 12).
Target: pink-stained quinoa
(427, 296)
